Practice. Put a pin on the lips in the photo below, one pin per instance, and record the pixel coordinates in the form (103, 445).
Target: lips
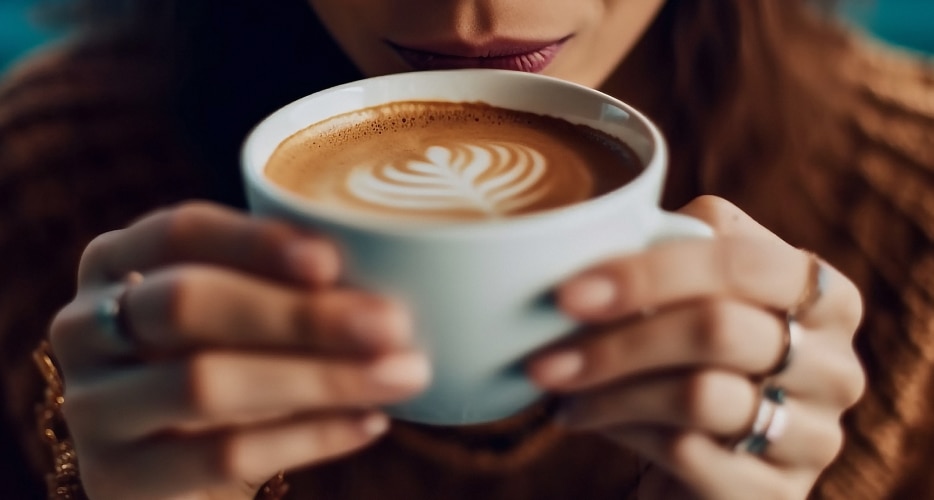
(526, 56)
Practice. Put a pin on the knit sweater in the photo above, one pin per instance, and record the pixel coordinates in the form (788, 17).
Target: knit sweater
(89, 141)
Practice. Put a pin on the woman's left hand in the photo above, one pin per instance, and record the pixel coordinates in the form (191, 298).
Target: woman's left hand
(682, 359)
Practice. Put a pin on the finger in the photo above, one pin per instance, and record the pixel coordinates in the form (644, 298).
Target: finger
(210, 234)
(721, 333)
(728, 336)
(726, 219)
(217, 389)
(824, 371)
(720, 404)
(211, 306)
(809, 439)
(196, 306)
(716, 402)
(704, 466)
(756, 271)
(197, 463)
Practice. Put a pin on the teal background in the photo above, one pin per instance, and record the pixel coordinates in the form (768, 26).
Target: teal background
(907, 23)
(18, 30)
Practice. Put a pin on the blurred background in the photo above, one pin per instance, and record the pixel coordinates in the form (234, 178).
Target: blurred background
(19, 32)
(905, 23)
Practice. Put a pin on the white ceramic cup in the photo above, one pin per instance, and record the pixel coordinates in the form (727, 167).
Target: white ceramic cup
(478, 290)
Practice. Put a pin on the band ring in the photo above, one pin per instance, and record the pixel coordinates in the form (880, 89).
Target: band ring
(791, 336)
(814, 288)
(812, 293)
(769, 425)
(110, 312)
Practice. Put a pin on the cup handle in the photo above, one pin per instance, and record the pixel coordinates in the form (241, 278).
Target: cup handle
(677, 226)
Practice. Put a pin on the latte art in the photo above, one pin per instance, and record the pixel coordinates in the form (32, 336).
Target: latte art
(495, 179)
(448, 161)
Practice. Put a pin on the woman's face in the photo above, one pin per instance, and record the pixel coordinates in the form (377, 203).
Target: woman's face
(577, 40)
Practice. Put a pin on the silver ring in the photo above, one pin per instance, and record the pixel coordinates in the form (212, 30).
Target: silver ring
(791, 339)
(769, 425)
(812, 293)
(110, 311)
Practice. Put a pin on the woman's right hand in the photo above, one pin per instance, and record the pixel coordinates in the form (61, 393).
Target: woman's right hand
(240, 356)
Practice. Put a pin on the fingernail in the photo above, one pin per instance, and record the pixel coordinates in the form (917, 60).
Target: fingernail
(588, 294)
(375, 424)
(313, 261)
(380, 324)
(559, 368)
(406, 371)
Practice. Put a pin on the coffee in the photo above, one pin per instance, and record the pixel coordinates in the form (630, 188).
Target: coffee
(449, 161)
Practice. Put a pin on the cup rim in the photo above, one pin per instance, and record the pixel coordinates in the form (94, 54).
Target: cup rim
(254, 178)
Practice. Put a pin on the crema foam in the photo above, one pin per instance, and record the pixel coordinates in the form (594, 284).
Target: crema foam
(457, 161)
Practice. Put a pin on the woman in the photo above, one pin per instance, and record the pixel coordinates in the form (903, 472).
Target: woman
(713, 369)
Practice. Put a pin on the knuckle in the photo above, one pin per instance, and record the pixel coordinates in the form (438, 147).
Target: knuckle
(737, 259)
(95, 253)
(715, 211)
(269, 242)
(65, 325)
(851, 307)
(99, 246)
(198, 208)
(827, 446)
(185, 220)
(852, 381)
(157, 216)
(845, 378)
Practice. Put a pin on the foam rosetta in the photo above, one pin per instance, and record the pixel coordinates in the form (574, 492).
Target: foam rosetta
(448, 161)
(495, 179)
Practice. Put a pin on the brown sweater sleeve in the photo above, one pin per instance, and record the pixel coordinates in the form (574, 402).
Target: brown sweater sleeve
(889, 212)
(82, 151)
